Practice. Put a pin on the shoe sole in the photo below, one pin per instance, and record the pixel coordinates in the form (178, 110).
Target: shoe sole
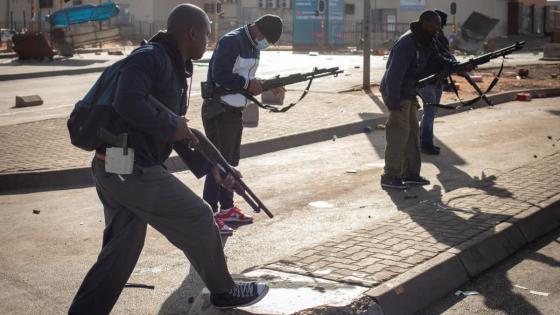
(255, 301)
(235, 220)
(417, 183)
(392, 186)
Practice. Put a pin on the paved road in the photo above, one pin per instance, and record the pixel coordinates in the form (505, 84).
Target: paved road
(51, 251)
(509, 287)
(61, 92)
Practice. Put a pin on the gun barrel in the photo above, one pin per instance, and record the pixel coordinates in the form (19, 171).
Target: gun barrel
(299, 77)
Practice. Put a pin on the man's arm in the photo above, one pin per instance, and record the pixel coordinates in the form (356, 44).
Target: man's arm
(131, 96)
(403, 55)
(224, 60)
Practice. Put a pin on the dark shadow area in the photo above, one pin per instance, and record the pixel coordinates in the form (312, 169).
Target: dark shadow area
(447, 224)
(56, 62)
(496, 287)
(188, 293)
(555, 112)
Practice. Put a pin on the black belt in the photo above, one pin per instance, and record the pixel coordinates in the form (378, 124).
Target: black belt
(232, 109)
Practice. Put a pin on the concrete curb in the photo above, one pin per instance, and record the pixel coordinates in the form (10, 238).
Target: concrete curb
(81, 176)
(424, 284)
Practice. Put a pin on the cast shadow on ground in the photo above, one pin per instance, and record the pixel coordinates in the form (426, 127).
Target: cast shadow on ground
(496, 287)
(57, 62)
(189, 299)
(425, 207)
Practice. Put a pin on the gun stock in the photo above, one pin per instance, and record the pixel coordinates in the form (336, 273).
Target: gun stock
(216, 159)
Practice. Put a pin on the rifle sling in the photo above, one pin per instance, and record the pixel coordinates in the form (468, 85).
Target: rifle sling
(275, 109)
(481, 95)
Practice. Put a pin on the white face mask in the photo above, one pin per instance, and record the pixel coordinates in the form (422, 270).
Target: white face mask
(262, 44)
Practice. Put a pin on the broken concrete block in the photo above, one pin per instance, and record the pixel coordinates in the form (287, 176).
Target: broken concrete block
(552, 51)
(476, 78)
(29, 100)
(523, 97)
(251, 115)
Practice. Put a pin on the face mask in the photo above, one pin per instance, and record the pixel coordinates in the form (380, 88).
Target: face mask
(262, 44)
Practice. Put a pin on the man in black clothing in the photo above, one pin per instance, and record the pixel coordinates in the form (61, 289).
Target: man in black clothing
(150, 194)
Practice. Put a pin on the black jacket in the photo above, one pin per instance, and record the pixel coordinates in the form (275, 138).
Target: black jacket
(155, 69)
(408, 62)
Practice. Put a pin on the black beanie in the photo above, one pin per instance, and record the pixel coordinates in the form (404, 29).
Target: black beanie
(270, 26)
(443, 17)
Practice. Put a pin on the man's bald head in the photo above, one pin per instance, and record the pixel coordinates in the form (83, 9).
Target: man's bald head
(184, 17)
(190, 26)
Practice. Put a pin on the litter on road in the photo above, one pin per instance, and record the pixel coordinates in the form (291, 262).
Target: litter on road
(321, 204)
(466, 293)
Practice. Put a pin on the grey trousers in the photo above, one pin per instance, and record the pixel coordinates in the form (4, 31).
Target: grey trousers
(149, 196)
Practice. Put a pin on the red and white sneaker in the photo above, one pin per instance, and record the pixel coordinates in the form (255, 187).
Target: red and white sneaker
(222, 226)
(234, 215)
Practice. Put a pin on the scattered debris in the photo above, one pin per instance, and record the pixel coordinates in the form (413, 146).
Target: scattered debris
(538, 293)
(380, 127)
(313, 53)
(35, 211)
(523, 73)
(351, 171)
(466, 293)
(367, 129)
(81, 223)
(28, 100)
(334, 137)
(531, 291)
(115, 52)
(321, 204)
(523, 97)
(476, 78)
(549, 137)
(535, 156)
(139, 285)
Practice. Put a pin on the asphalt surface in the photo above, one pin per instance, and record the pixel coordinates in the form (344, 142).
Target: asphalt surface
(50, 252)
(525, 284)
(60, 93)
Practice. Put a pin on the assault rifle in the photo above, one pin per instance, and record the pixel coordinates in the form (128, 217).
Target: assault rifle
(210, 91)
(207, 149)
(464, 67)
(472, 63)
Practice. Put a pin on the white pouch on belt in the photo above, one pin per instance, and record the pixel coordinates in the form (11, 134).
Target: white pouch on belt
(119, 160)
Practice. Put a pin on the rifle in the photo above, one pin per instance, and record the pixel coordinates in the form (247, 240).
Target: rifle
(207, 149)
(210, 91)
(472, 63)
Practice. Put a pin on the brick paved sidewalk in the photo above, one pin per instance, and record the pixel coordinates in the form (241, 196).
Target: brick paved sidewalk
(373, 255)
(45, 145)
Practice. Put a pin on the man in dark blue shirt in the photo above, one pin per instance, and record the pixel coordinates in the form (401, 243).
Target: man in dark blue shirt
(150, 194)
(407, 64)
(431, 93)
(233, 66)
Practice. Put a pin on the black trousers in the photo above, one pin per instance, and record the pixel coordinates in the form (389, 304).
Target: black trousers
(225, 131)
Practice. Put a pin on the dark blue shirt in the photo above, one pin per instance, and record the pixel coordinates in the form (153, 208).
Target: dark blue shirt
(155, 68)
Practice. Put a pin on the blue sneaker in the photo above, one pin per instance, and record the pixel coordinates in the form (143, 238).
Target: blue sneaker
(415, 180)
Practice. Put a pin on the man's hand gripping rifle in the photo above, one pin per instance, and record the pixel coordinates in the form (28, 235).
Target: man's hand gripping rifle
(471, 64)
(207, 149)
(210, 91)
